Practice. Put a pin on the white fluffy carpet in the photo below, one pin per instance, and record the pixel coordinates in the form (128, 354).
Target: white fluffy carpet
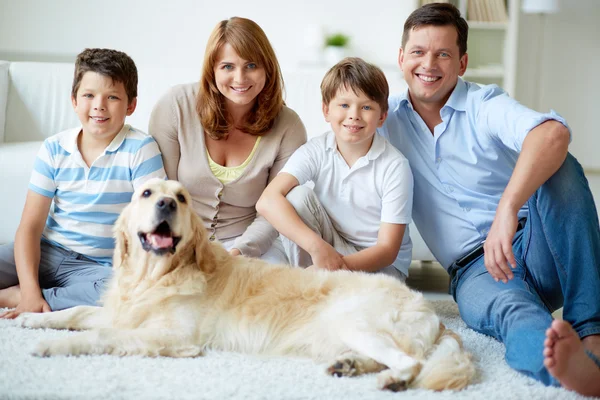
(234, 376)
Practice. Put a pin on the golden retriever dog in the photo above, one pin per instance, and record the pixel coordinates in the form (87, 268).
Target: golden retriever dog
(176, 294)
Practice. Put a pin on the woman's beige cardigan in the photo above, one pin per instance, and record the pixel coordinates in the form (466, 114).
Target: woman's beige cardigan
(228, 211)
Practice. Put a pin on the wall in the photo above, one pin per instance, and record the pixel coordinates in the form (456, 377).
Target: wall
(559, 70)
(175, 31)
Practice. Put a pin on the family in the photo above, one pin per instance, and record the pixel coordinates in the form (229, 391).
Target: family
(490, 184)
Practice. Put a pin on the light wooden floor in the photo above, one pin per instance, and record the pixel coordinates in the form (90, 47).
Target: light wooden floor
(431, 279)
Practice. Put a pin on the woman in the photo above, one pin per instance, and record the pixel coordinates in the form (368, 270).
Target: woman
(227, 137)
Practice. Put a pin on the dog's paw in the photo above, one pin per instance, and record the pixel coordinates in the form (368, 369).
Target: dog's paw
(395, 380)
(59, 347)
(32, 320)
(343, 367)
(395, 386)
(182, 351)
(46, 349)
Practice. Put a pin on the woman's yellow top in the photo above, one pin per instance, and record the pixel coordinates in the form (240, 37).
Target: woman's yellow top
(230, 174)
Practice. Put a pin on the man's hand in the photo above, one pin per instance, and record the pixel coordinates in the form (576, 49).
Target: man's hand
(35, 304)
(497, 248)
(326, 257)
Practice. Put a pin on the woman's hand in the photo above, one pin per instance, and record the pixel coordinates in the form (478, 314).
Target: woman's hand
(235, 252)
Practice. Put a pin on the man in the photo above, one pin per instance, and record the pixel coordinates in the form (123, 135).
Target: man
(502, 205)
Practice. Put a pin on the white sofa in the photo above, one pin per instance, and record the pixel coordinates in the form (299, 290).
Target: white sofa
(35, 104)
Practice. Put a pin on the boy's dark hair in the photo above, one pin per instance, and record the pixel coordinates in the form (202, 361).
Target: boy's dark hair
(360, 76)
(438, 14)
(111, 63)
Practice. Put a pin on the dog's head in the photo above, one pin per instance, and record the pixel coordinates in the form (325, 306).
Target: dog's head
(160, 223)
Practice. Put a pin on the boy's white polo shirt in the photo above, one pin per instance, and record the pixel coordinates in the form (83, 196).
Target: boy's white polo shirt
(378, 188)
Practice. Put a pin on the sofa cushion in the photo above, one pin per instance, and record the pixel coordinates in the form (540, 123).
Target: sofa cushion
(16, 164)
(44, 88)
(4, 84)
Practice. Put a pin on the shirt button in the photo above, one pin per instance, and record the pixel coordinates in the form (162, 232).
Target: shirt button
(468, 209)
(438, 160)
(212, 238)
(450, 189)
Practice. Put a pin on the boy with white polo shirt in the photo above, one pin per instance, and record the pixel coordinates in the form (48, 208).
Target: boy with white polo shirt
(356, 216)
(81, 181)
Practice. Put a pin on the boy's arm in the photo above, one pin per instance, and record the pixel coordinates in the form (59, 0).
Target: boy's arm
(27, 254)
(281, 214)
(383, 254)
(396, 209)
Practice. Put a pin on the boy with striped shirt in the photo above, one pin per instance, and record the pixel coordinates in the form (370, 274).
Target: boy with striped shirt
(82, 179)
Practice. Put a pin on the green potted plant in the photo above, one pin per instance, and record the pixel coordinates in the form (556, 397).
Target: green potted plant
(337, 40)
(335, 47)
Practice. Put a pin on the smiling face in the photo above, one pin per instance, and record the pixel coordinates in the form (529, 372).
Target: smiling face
(101, 105)
(239, 81)
(432, 64)
(354, 118)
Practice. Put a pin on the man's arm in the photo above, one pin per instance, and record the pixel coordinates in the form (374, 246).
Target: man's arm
(281, 214)
(544, 151)
(27, 254)
(383, 254)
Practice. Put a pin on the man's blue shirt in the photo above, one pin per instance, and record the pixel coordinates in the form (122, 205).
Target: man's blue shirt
(461, 171)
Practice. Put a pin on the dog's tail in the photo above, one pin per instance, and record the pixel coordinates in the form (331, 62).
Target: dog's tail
(448, 365)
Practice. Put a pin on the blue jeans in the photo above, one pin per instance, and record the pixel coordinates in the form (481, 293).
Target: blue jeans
(67, 278)
(558, 265)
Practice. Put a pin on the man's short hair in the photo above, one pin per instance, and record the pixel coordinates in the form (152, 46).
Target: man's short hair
(438, 14)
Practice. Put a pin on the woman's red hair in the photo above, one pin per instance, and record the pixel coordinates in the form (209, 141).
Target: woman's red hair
(250, 42)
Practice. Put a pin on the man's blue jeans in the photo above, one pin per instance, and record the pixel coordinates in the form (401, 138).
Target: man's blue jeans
(558, 265)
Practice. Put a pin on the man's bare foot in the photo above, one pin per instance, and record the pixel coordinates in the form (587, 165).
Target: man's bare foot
(10, 297)
(566, 360)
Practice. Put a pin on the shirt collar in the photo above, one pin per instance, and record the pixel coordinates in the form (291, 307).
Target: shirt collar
(69, 141)
(456, 101)
(404, 100)
(119, 139)
(330, 141)
(377, 147)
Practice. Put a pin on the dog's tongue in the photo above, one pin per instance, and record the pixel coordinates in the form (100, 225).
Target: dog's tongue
(160, 242)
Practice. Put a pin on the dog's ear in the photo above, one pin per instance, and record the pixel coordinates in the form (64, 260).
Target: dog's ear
(205, 258)
(121, 241)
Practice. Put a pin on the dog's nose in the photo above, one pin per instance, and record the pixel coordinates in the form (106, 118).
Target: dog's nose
(166, 204)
